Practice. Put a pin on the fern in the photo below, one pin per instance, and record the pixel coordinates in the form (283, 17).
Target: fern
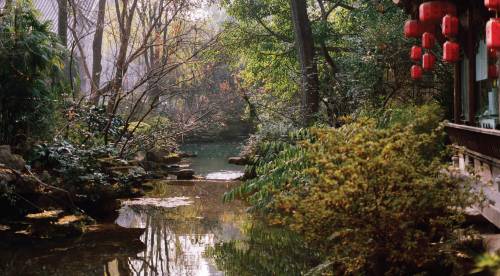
(276, 163)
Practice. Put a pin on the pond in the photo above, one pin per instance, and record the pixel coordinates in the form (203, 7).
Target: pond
(211, 161)
(181, 228)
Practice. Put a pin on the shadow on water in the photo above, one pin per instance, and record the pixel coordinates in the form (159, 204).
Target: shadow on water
(105, 248)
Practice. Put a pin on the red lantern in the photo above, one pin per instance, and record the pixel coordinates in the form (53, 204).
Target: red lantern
(492, 4)
(451, 52)
(492, 71)
(416, 72)
(428, 40)
(493, 34)
(431, 11)
(416, 53)
(450, 26)
(412, 29)
(428, 61)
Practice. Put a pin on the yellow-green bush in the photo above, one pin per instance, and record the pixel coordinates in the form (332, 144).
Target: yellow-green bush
(487, 264)
(374, 199)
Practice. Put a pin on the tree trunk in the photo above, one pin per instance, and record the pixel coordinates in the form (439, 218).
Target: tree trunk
(62, 22)
(97, 53)
(305, 50)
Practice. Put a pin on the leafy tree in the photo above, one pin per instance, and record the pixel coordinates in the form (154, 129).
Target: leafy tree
(359, 49)
(30, 66)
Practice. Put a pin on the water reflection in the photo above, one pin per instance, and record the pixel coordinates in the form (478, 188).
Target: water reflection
(186, 230)
(199, 235)
(177, 237)
(264, 251)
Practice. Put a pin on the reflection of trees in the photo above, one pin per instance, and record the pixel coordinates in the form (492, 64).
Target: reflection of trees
(175, 240)
(266, 251)
(117, 267)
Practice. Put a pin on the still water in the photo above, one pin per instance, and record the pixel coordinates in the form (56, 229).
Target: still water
(211, 160)
(179, 228)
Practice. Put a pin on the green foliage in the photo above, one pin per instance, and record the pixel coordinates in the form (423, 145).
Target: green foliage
(88, 125)
(275, 161)
(30, 67)
(371, 195)
(488, 263)
(424, 118)
(156, 132)
(367, 63)
(139, 127)
(82, 170)
(74, 165)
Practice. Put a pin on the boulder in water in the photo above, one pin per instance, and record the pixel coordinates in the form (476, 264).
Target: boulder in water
(241, 161)
(185, 174)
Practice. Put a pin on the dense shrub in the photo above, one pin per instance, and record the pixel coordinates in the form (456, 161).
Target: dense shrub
(371, 194)
(89, 126)
(30, 68)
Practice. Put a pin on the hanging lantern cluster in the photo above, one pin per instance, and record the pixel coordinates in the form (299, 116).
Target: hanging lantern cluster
(431, 15)
(451, 50)
(493, 38)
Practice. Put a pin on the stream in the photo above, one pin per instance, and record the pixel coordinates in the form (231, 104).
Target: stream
(184, 229)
